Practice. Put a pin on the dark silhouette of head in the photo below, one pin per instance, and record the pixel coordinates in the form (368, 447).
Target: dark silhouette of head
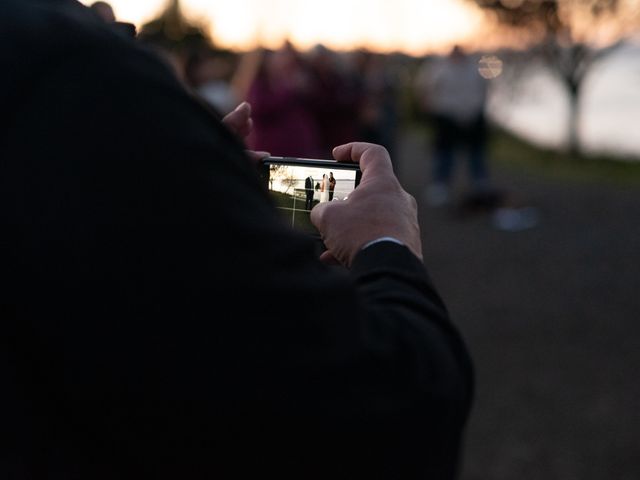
(104, 11)
(457, 52)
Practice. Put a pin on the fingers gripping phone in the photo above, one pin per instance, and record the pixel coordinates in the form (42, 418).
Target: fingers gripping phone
(297, 185)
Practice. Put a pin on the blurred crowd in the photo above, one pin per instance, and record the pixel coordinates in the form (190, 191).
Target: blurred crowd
(303, 103)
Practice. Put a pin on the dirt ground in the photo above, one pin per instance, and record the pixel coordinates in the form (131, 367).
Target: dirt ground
(551, 315)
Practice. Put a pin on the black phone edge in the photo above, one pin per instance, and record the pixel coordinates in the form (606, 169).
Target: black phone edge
(310, 162)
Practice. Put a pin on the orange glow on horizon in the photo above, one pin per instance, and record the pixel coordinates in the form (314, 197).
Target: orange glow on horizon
(411, 26)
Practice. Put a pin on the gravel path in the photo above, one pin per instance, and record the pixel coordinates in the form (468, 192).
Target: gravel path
(552, 318)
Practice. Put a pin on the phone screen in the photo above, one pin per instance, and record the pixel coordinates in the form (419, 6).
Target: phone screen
(298, 185)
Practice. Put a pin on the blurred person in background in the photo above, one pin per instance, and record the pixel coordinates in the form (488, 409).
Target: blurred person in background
(378, 115)
(209, 73)
(161, 321)
(282, 95)
(453, 94)
(336, 99)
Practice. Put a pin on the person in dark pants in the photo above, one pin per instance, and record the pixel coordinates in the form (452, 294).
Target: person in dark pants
(450, 137)
(453, 94)
(308, 188)
(332, 185)
(160, 321)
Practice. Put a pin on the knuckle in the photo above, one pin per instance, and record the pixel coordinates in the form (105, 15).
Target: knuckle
(379, 149)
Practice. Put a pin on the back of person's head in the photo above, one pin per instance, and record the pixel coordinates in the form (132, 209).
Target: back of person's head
(206, 65)
(104, 11)
(457, 52)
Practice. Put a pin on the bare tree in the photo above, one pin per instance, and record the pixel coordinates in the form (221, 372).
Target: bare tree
(290, 182)
(569, 35)
(282, 173)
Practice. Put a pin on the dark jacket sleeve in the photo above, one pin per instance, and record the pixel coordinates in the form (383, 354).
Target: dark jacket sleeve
(163, 319)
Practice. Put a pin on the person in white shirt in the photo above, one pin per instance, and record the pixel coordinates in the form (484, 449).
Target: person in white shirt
(454, 93)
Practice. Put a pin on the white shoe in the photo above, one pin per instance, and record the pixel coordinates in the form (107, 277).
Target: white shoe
(515, 219)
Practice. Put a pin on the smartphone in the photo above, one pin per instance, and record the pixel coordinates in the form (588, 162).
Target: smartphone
(297, 185)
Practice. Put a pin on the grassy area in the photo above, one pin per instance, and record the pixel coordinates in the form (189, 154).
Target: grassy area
(300, 220)
(510, 152)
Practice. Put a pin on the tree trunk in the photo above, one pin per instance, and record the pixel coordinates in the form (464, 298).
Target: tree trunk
(573, 136)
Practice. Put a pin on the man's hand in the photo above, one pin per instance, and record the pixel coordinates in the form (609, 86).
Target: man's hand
(240, 122)
(378, 207)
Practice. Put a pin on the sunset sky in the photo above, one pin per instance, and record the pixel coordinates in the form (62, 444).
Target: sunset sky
(413, 26)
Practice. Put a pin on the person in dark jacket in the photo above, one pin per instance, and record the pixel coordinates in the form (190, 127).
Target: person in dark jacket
(308, 189)
(160, 320)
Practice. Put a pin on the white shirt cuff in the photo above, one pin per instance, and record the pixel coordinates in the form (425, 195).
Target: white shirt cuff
(382, 239)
